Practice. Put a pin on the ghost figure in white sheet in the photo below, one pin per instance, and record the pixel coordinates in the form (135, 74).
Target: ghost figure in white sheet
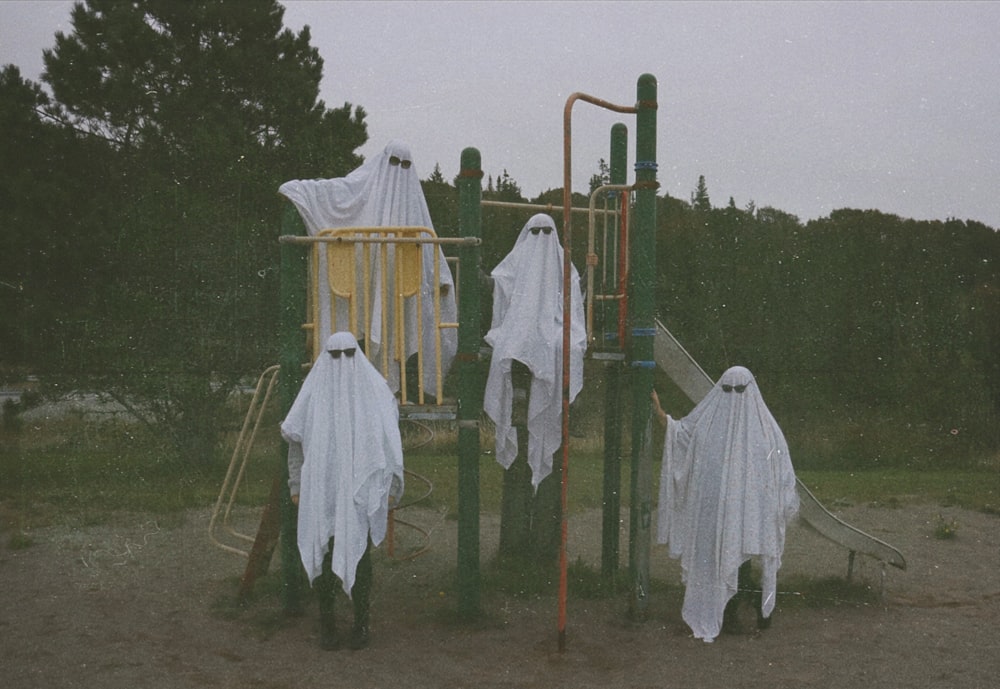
(383, 192)
(727, 492)
(345, 458)
(527, 326)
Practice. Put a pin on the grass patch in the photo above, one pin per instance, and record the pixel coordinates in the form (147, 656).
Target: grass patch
(86, 469)
(585, 488)
(970, 489)
(945, 529)
(89, 468)
(430, 449)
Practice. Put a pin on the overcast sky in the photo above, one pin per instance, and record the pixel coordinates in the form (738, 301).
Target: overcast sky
(804, 106)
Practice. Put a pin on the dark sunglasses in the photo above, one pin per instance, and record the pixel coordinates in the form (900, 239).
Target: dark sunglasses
(349, 353)
(536, 230)
(396, 160)
(734, 388)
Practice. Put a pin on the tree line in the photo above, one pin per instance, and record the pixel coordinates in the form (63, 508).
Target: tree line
(875, 337)
(138, 252)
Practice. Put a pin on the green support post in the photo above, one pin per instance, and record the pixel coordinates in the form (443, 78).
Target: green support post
(610, 541)
(470, 381)
(294, 276)
(642, 279)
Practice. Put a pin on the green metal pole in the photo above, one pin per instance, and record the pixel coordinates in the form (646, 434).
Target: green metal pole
(642, 265)
(610, 541)
(619, 153)
(294, 276)
(471, 384)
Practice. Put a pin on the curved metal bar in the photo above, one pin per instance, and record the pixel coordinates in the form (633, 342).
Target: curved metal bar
(567, 263)
(237, 464)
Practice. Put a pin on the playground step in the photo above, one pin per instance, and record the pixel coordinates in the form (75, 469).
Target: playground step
(428, 412)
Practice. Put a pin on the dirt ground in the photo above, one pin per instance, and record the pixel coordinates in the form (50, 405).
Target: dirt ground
(144, 602)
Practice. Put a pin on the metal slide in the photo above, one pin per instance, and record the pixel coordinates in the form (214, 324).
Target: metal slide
(695, 383)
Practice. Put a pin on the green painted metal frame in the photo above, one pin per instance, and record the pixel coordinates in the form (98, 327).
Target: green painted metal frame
(612, 501)
(642, 279)
(471, 384)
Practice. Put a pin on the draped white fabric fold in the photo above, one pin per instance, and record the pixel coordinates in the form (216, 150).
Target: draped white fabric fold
(527, 326)
(727, 492)
(344, 429)
(383, 192)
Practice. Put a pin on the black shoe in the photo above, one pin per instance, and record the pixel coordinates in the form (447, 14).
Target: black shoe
(328, 639)
(360, 637)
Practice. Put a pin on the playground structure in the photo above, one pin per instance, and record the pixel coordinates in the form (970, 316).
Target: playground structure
(391, 260)
(622, 330)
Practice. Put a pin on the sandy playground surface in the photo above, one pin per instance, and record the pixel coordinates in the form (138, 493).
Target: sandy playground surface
(147, 602)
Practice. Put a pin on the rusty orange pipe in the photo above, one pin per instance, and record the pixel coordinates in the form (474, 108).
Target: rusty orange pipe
(567, 264)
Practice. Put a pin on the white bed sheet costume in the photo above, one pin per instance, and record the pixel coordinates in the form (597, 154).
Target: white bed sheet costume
(383, 192)
(527, 326)
(345, 458)
(727, 492)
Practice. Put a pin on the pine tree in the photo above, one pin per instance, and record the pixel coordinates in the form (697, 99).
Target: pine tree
(203, 109)
(436, 176)
(602, 176)
(699, 199)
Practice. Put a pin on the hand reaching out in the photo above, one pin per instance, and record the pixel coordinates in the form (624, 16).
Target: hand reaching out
(662, 415)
